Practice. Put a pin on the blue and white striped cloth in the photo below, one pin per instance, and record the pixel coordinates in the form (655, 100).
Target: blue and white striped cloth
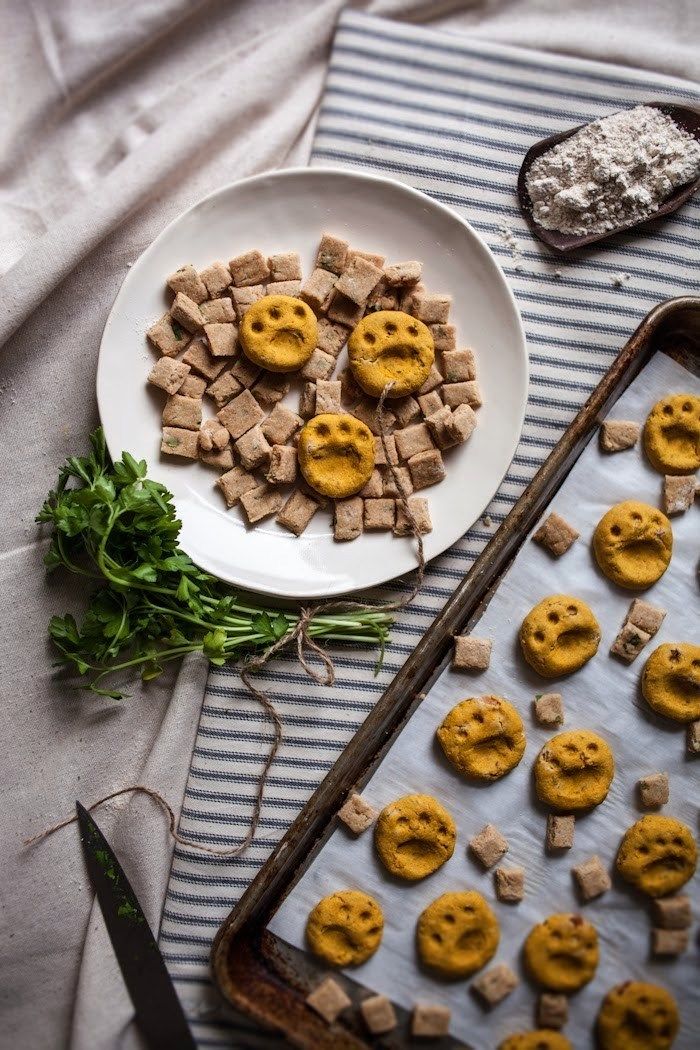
(452, 117)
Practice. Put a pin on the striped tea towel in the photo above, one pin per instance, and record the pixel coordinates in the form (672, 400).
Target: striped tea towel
(452, 117)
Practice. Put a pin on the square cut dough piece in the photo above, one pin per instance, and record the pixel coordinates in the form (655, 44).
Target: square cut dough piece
(432, 309)
(407, 410)
(556, 535)
(177, 441)
(241, 414)
(560, 831)
(433, 381)
(220, 458)
(471, 654)
(488, 846)
(316, 289)
(357, 814)
(552, 1010)
(455, 394)
(629, 642)
(332, 253)
(223, 389)
(168, 337)
(283, 465)
(186, 313)
(328, 1000)
(618, 434)
(672, 913)
(280, 425)
(379, 513)
(253, 449)
(199, 357)
(645, 616)
(679, 493)
(427, 468)
(444, 338)
(169, 375)
(412, 440)
(430, 1020)
(348, 518)
(494, 985)
(403, 273)
(389, 483)
(692, 737)
(319, 366)
(344, 310)
(328, 396)
(271, 388)
(189, 282)
(510, 884)
(216, 278)
(653, 790)
(307, 400)
(549, 709)
(374, 487)
(430, 403)
(668, 942)
(330, 336)
(222, 339)
(234, 483)
(592, 878)
(458, 366)
(358, 279)
(380, 459)
(261, 502)
(243, 298)
(182, 411)
(218, 311)
(378, 1014)
(297, 512)
(193, 386)
(421, 516)
(249, 269)
(284, 267)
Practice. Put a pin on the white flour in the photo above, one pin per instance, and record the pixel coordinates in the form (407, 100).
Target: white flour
(614, 172)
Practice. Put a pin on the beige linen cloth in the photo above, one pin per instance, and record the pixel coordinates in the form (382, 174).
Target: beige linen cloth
(116, 115)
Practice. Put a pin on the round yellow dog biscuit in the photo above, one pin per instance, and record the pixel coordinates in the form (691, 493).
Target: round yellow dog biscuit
(542, 1039)
(559, 635)
(671, 681)
(390, 347)
(345, 928)
(672, 434)
(457, 934)
(336, 454)
(574, 770)
(483, 737)
(657, 855)
(278, 332)
(414, 836)
(633, 543)
(637, 1016)
(561, 953)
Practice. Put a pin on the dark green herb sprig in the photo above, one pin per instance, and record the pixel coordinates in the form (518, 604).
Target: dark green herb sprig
(152, 604)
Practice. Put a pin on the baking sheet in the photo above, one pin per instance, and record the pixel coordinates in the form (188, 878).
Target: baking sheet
(604, 695)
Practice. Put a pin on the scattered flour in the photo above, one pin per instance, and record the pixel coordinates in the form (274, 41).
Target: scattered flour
(512, 244)
(614, 172)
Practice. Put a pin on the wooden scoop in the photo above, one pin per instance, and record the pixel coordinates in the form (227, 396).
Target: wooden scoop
(686, 118)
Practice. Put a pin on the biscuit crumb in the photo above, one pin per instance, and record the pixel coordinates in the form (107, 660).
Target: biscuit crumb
(357, 814)
(488, 846)
(328, 1000)
(494, 985)
(653, 790)
(592, 878)
(430, 1020)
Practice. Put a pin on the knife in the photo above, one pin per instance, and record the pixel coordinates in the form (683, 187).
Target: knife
(159, 1014)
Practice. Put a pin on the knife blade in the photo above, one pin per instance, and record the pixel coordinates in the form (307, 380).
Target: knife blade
(159, 1014)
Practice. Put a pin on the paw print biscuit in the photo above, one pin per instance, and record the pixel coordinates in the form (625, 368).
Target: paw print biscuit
(391, 347)
(345, 928)
(278, 333)
(457, 934)
(561, 953)
(574, 770)
(672, 434)
(657, 855)
(559, 635)
(414, 836)
(633, 544)
(336, 454)
(637, 1016)
(483, 737)
(542, 1039)
(671, 681)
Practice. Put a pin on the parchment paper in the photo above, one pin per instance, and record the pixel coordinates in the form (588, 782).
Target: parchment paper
(604, 695)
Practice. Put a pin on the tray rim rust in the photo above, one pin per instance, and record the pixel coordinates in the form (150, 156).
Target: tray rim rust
(241, 943)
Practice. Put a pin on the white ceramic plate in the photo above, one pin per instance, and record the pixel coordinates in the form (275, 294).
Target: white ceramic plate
(285, 211)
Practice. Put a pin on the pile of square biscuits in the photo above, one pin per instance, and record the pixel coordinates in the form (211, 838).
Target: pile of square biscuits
(252, 437)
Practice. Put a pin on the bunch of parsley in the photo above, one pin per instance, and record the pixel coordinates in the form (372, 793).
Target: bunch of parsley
(151, 603)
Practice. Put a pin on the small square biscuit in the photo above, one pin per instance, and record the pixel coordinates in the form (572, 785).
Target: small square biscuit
(180, 411)
(280, 425)
(271, 388)
(316, 289)
(471, 654)
(199, 357)
(332, 253)
(380, 459)
(253, 449)
(177, 441)
(357, 814)
(366, 410)
(307, 400)
(430, 1020)
(168, 337)
(445, 431)
(373, 257)
(291, 288)
(249, 269)
(383, 298)
(358, 279)
(629, 642)
(283, 465)
(219, 458)
(344, 310)
(591, 878)
(560, 832)
(679, 493)
(243, 298)
(401, 485)
(430, 403)
(328, 396)
(494, 985)
(421, 515)
(218, 311)
(217, 278)
(213, 436)
(669, 942)
(348, 387)
(329, 1000)
(169, 375)
(331, 337)
(379, 513)
(409, 295)
(234, 483)
(245, 371)
(458, 366)
(455, 394)
(261, 502)
(241, 414)
(373, 487)
(549, 710)
(552, 1010)
(434, 380)
(510, 884)
(464, 420)
(412, 440)
(286, 266)
(645, 616)
(186, 312)
(378, 1014)
(653, 790)
(348, 518)
(404, 273)
(189, 282)
(488, 846)
(193, 386)
(444, 337)
(319, 366)
(427, 468)
(432, 309)
(406, 410)
(297, 512)
(556, 535)
(222, 339)
(618, 434)
(692, 737)
(223, 389)
(672, 913)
